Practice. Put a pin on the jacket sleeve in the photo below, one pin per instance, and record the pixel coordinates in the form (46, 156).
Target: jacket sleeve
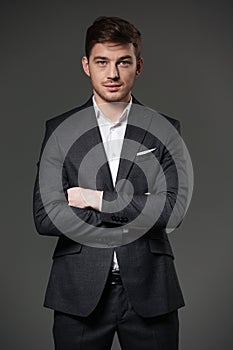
(51, 212)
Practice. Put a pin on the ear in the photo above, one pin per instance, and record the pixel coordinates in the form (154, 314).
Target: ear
(85, 65)
(140, 63)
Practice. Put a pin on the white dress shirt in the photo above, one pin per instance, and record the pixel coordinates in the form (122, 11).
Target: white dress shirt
(112, 134)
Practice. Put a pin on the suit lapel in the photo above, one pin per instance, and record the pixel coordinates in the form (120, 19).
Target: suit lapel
(138, 123)
(106, 177)
(104, 181)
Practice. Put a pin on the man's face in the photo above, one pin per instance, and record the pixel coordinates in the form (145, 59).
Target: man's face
(112, 68)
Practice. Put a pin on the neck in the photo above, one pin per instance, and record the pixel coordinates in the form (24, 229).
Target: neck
(112, 110)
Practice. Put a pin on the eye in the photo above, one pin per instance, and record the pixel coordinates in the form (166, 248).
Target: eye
(124, 63)
(101, 63)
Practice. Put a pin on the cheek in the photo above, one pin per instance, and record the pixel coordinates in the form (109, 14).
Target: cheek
(97, 77)
(130, 77)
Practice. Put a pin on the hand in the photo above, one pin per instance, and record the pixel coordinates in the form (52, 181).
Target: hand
(82, 198)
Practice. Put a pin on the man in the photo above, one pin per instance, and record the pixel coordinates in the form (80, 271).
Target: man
(113, 268)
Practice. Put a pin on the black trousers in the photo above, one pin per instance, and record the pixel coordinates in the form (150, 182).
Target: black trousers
(114, 313)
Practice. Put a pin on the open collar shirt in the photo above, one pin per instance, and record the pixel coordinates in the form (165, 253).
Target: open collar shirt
(112, 134)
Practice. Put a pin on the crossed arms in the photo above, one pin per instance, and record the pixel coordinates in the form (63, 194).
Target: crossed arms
(56, 210)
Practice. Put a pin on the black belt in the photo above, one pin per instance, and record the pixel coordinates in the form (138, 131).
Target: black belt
(115, 277)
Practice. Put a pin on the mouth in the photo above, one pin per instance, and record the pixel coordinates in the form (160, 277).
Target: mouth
(112, 87)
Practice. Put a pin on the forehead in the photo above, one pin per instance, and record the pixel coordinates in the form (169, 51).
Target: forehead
(112, 50)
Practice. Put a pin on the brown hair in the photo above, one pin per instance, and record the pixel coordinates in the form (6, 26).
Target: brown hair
(112, 29)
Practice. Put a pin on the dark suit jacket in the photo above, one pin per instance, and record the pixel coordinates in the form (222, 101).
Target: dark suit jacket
(79, 272)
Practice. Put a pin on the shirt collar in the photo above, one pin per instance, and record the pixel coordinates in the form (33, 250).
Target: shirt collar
(123, 117)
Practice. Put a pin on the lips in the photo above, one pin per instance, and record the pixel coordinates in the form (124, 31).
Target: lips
(112, 87)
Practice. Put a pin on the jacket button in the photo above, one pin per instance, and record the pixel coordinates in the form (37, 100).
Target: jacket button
(126, 219)
(113, 218)
(117, 218)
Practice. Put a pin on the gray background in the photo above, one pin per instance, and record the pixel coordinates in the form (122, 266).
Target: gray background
(187, 47)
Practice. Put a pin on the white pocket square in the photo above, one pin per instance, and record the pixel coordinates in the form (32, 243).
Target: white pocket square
(146, 151)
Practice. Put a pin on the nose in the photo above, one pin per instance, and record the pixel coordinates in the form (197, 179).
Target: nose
(113, 72)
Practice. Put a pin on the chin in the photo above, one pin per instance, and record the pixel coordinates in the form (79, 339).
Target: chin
(114, 97)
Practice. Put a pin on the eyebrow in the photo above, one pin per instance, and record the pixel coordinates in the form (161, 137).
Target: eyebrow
(106, 58)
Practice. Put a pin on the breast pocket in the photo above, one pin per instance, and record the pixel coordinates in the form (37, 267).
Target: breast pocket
(147, 156)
